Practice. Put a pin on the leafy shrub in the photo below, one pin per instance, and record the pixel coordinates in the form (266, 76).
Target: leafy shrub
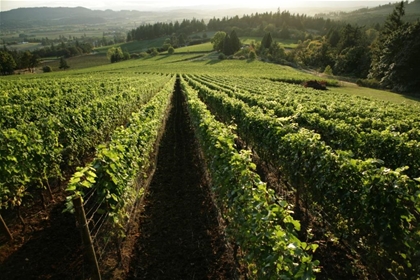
(315, 84)
(47, 69)
(328, 70)
(222, 56)
(370, 83)
(252, 55)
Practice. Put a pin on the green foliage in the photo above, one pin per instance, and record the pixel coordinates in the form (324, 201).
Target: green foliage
(266, 41)
(235, 42)
(227, 46)
(46, 130)
(115, 54)
(126, 56)
(154, 52)
(218, 40)
(257, 220)
(252, 55)
(371, 83)
(341, 177)
(7, 63)
(126, 158)
(328, 70)
(397, 50)
(171, 50)
(63, 64)
(47, 69)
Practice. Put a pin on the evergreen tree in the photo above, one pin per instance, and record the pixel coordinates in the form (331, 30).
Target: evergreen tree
(227, 46)
(236, 43)
(399, 61)
(394, 23)
(63, 64)
(266, 41)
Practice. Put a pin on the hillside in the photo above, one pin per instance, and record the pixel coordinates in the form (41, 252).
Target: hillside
(47, 16)
(370, 16)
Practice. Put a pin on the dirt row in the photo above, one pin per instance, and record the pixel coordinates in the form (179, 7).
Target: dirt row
(179, 233)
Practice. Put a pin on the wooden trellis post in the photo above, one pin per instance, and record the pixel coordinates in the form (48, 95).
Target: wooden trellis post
(5, 228)
(86, 238)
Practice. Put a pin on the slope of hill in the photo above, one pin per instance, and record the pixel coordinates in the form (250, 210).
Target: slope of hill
(370, 16)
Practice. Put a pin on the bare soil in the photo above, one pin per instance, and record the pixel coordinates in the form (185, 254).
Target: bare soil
(179, 233)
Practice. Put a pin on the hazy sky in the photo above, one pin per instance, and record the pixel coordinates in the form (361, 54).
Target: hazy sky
(159, 4)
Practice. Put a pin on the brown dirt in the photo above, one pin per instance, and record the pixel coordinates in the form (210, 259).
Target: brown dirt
(47, 248)
(179, 233)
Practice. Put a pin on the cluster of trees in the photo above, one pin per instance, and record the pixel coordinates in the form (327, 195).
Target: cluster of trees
(279, 24)
(346, 50)
(384, 56)
(115, 54)
(228, 44)
(159, 29)
(396, 54)
(63, 49)
(11, 60)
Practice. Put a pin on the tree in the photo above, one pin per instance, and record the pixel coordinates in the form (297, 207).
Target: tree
(115, 54)
(284, 32)
(47, 69)
(154, 52)
(218, 40)
(227, 46)
(25, 60)
(399, 60)
(63, 64)
(252, 55)
(182, 40)
(7, 63)
(171, 50)
(236, 43)
(266, 41)
(394, 23)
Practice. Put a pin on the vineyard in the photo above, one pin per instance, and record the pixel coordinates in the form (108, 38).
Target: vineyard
(183, 172)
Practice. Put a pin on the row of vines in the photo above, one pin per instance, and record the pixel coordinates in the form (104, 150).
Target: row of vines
(354, 162)
(257, 220)
(51, 125)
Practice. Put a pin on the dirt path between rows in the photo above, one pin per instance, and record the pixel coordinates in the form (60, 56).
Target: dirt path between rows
(179, 233)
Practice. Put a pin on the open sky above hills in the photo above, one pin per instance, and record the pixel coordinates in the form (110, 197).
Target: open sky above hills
(6, 5)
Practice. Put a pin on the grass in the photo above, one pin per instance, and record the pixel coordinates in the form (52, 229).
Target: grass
(206, 47)
(285, 43)
(77, 62)
(377, 94)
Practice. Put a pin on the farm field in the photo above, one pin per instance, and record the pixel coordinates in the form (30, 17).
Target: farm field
(190, 166)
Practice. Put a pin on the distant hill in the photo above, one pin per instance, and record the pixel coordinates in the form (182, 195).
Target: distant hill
(31, 17)
(371, 16)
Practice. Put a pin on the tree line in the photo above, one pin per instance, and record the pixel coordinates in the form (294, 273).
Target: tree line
(10, 60)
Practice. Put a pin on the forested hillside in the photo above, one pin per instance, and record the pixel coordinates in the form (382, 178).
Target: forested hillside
(376, 15)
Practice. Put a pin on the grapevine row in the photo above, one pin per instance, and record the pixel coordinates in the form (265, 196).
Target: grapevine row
(256, 219)
(117, 165)
(362, 112)
(375, 208)
(394, 148)
(33, 153)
